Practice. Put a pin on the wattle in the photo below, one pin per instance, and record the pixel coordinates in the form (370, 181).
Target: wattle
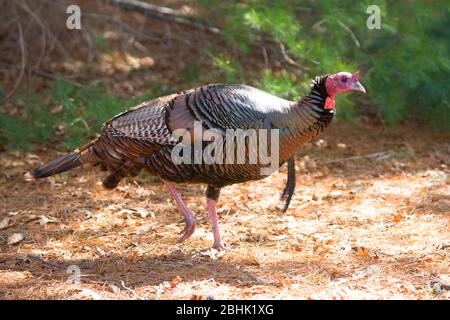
(329, 103)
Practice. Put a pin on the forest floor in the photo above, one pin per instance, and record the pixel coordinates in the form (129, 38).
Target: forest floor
(369, 220)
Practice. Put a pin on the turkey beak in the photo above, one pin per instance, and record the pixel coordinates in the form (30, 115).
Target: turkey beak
(358, 87)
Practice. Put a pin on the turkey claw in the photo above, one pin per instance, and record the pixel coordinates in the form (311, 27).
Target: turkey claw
(218, 246)
(189, 229)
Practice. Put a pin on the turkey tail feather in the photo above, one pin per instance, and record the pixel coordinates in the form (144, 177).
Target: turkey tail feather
(64, 163)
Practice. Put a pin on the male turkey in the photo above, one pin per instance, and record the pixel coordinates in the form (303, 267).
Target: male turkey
(143, 137)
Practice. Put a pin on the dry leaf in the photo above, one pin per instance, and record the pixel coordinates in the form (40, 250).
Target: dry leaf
(363, 252)
(101, 252)
(175, 281)
(322, 247)
(4, 223)
(335, 194)
(296, 215)
(321, 143)
(278, 238)
(280, 231)
(31, 218)
(15, 238)
(141, 230)
(44, 220)
(212, 253)
(90, 294)
(144, 212)
(125, 211)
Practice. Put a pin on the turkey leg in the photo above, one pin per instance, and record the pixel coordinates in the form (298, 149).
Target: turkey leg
(188, 217)
(289, 189)
(212, 195)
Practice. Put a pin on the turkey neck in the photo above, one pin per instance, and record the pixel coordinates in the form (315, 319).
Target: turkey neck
(305, 119)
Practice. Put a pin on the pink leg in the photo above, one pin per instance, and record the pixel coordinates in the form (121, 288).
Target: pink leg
(189, 218)
(214, 223)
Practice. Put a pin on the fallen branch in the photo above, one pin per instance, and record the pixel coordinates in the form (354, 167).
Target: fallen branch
(288, 60)
(124, 26)
(350, 32)
(43, 31)
(22, 65)
(42, 74)
(136, 296)
(51, 264)
(54, 264)
(165, 13)
(372, 156)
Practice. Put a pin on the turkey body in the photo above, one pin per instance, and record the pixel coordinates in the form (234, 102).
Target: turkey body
(143, 138)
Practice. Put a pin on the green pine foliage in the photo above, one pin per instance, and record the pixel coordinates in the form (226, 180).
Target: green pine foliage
(34, 124)
(84, 110)
(77, 113)
(405, 64)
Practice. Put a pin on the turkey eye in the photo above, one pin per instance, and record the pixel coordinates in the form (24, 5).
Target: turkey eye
(344, 80)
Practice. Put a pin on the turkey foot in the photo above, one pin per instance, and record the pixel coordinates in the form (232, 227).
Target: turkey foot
(188, 217)
(189, 228)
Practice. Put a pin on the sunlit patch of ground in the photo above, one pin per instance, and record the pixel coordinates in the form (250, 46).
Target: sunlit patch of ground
(367, 227)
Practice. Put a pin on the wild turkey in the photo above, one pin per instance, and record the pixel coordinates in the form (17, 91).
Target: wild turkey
(142, 137)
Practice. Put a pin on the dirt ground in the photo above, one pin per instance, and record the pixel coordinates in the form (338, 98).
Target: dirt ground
(369, 220)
